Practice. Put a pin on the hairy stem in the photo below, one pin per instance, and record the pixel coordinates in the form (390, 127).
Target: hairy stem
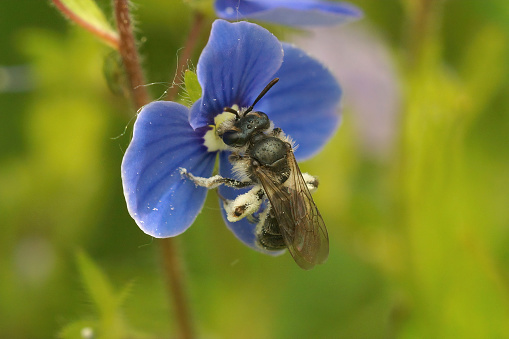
(173, 269)
(170, 254)
(170, 260)
(187, 51)
(129, 54)
(111, 38)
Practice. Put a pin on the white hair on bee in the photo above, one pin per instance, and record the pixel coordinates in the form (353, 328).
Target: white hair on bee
(261, 221)
(288, 139)
(240, 169)
(311, 182)
(243, 205)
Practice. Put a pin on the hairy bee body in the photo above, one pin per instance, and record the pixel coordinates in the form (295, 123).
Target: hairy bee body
(264, 156)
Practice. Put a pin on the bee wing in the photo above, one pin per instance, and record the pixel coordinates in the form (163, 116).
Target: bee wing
(301, 224)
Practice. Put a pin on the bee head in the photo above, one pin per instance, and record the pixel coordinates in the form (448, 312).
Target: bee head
(248, 123)
(246, 127)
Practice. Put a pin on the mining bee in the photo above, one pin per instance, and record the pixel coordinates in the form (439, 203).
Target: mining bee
(263, 157)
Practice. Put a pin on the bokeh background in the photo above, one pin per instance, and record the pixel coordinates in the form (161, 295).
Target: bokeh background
(414, 186)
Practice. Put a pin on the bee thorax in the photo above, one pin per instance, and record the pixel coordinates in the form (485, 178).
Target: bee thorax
(268, 151)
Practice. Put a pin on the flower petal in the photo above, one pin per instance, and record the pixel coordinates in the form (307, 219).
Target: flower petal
(242, 229)
(297, 13)
(304, 103)
(159, 200)
(238, 61)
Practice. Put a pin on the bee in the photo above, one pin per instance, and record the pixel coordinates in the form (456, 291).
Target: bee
(263, 157)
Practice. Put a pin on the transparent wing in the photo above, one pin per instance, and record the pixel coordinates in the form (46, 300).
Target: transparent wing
(301, 224)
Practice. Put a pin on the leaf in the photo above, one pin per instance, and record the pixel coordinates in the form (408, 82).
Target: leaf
(87, 14)
(98, 286)
(110, 323)
(193, 87)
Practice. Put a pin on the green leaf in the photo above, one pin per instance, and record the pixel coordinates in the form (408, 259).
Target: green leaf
(193, 88)
(98, 286)
(110, 323)
(87, 14)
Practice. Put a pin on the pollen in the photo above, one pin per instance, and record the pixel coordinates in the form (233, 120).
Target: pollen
(211, 140)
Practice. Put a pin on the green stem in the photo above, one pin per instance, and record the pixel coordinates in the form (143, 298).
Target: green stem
(170, 260)
(173, 269)
(423, 17)
(129, 54)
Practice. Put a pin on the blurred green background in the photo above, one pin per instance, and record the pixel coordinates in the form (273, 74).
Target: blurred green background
(419, 233)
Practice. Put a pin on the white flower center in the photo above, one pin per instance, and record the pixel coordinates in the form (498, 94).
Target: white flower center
(211, 140)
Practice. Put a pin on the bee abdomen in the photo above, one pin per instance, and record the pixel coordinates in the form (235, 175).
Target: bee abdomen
(270, 237)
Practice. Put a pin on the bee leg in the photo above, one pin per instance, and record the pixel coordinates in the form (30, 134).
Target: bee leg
(244, 205)
(311, 182)
(214, 181)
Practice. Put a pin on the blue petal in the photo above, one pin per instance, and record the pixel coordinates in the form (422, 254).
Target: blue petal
(237, 63)
(297, 13)
(159, 200)
(304, 103)
(243, 229)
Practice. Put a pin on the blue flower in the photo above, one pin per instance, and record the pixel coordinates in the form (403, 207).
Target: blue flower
(239, 60)
(298, 13)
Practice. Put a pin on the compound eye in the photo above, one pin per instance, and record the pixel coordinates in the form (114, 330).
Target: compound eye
(233, 138)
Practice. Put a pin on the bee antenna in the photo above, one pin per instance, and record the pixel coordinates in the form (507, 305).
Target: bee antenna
(231, 110)
(265, 90)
